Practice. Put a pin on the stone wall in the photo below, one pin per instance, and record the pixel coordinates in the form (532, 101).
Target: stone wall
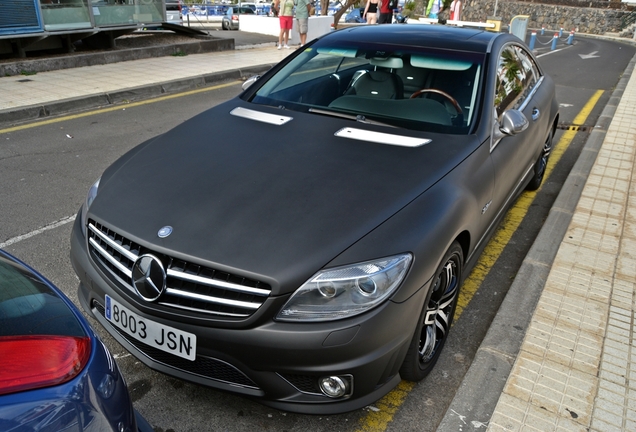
(550, 16)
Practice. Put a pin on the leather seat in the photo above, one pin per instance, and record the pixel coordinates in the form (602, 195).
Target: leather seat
(377, 84)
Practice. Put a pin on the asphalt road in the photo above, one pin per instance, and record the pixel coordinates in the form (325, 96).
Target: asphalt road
(46, 170)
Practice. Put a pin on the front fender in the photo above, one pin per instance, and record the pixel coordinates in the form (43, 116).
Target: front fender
(456, 206)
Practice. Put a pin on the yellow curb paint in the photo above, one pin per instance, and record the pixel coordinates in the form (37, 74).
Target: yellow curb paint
(515, 215)
(119, 106)
(386, 408)
(377, 421)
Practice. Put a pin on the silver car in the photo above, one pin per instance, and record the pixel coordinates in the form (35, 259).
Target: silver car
(231, 18)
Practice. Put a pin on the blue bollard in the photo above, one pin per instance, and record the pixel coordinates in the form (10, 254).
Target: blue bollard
(533, 39)
(561, 32)
(570, 38)
(542, 30)
(554, 41)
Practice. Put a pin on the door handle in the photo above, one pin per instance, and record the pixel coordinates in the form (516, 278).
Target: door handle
(535, 113)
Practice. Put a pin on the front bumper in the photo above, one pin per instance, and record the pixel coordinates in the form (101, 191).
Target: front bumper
(277, 363)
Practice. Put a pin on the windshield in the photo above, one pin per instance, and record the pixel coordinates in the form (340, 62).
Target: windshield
(414, 88)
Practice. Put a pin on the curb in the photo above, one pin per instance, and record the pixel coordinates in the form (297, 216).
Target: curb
(114, 56)
(12, 116)
(483, 384)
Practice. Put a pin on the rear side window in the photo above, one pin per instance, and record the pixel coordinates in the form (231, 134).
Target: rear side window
(517, 74)
(29, 307)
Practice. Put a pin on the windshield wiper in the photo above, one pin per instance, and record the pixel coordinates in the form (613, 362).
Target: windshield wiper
(359, 118)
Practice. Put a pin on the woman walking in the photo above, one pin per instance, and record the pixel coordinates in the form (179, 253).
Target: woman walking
(371, 12)
(286, 18)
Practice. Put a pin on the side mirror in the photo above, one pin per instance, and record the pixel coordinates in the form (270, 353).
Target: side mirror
(251, 80)
(512, 123)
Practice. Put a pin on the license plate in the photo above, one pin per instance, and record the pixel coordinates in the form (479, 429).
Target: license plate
(160, 336)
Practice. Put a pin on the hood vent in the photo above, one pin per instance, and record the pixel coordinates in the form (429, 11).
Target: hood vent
(381, 138)
(260, 116)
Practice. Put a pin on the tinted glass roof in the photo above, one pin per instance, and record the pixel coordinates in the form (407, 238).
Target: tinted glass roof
(420, 35)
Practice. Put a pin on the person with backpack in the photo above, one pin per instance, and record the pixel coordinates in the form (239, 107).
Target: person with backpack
(434, 8)
(386, 11)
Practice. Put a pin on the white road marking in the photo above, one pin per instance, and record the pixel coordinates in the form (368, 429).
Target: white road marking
(47, 227)
(589, 56)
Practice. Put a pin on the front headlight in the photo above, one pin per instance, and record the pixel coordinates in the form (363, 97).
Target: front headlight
(92, 193)
(343, 292)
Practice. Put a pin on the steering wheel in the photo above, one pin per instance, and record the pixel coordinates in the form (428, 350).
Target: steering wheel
(439, 92)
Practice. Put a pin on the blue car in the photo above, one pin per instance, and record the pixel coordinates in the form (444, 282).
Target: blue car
(355, 16)
(55, 373)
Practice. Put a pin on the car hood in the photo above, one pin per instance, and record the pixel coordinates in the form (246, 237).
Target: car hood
(272, 202)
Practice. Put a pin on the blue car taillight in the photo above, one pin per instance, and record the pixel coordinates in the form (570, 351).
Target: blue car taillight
(30, 362)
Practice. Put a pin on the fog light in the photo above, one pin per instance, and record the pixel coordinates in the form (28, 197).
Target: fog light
(334, 386)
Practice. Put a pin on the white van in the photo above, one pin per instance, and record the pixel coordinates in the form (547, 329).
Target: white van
(173, 12)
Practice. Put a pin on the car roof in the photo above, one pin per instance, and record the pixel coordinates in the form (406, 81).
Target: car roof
(437, 36)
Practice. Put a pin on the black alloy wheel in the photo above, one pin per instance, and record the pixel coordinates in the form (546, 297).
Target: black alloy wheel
(542, 163)
(437, 316)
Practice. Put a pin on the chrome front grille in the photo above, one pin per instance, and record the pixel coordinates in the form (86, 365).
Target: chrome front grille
(189, 286)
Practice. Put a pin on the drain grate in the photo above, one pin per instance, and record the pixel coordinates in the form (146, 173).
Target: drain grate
(575, 128)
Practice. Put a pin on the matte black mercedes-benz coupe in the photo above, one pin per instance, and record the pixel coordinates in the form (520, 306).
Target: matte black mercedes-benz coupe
(307, 244)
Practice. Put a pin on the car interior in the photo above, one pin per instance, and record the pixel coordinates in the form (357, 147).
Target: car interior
(416, 88)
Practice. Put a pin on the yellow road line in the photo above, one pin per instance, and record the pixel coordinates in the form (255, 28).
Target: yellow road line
(377, 421)
(117, 107)
(515, 215)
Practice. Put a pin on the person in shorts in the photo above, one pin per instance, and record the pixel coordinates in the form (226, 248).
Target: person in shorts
(302, 19)
(285, 10)
(434, 8)
(371, 12)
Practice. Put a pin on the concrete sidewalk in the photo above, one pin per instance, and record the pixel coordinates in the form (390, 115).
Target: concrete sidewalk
(45, 94)
(558, 355)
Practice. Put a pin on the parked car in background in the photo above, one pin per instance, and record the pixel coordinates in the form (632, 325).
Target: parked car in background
(230, 20)
(174, 12)
(355, 16)
(55, 373)
(304, 244)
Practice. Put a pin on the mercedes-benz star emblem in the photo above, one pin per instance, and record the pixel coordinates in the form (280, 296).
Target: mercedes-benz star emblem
(165, 232)
(149, 277)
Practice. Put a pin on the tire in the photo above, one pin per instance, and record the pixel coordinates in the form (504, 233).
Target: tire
(542, 163)
(223, 25)
(436, 318)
